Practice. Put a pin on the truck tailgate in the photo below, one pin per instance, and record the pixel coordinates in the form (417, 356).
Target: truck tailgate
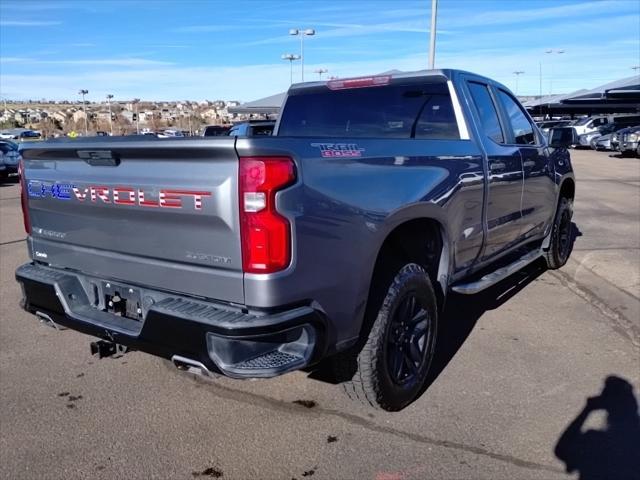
(159, 213)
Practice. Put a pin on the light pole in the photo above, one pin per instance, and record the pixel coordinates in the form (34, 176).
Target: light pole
(291, 57)
(432, 34)
(551, 51)
(320, 71)
(517, 73)
(135, 102)
(302, 33)
(635, 68)
(83, 92)
(109, 97)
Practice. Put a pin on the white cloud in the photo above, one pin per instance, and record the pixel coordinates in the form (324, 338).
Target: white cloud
(251, 82)
(116, 62)
(203, 28)
(27, 23)
(562, 12)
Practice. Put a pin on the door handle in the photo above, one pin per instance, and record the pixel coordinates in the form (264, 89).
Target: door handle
(497, 166)
(529, 163)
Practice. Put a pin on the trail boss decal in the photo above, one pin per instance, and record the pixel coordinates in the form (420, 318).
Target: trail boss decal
(339, 150)
(120, 195)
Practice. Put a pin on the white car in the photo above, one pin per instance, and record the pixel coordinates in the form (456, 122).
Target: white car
(589, 124)
(170, 133)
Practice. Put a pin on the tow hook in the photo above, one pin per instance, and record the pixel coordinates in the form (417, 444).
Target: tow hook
(104, 349)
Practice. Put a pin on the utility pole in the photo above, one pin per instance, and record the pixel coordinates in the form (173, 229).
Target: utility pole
(109, 97)
(83, 92)
(517, 73)
(432, 34)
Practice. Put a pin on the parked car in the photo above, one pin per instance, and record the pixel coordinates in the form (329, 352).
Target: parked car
(602, 142)
(20, 134)
(586, 140)
(215, 131)
(630, 141)
(9, 158)
(616, 137)
(589, 124)
(609, 141)
(170, 133)
(549, 124)
(336, 239)
(253, 128)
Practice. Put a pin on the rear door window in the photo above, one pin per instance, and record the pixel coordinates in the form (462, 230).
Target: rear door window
(523, 130)
(395, 111)
(487, 111)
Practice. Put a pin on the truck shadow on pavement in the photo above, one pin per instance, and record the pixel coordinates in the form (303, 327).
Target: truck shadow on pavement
(462, 312)
(612, 452)
(460, 315)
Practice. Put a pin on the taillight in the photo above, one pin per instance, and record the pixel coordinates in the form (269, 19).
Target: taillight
(23, 198)
(266, 235)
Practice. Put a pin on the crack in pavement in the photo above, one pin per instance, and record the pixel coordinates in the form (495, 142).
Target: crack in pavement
(11, 242)
(609, 282)
(620, 323)
(257, 400)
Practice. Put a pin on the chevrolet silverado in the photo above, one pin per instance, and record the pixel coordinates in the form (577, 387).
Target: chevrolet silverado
(339, 237)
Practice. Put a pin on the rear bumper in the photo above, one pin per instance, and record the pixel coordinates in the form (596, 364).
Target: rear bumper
(224, 338)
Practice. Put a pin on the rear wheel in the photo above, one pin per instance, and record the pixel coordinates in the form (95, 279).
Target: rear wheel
(392, 366)
(561, 235)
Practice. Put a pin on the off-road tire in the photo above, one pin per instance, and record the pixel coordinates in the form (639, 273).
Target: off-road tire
(372, 383)
(561, 241)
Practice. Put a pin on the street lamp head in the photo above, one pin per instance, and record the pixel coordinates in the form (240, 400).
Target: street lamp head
(309, 31)
(83, 92)
(293, 31)
(290, 56)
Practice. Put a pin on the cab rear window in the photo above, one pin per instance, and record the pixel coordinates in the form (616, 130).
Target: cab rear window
(395, 111)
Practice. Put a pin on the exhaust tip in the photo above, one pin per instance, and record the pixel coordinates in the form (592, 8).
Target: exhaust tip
(191, 366)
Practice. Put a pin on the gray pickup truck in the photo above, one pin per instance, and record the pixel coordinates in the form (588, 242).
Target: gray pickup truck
(338, 238)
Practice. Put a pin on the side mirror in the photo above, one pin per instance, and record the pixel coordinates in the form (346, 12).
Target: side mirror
(562, 137)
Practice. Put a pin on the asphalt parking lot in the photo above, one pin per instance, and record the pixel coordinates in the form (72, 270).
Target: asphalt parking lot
(515, 368)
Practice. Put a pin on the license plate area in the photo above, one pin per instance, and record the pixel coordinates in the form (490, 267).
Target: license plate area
(122, 300)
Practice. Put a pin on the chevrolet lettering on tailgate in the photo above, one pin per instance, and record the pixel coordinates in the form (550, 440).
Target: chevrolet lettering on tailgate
(120, 195)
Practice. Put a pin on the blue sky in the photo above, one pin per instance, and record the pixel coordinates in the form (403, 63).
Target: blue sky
(231, 49)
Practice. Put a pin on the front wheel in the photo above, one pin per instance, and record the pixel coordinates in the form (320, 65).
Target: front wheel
(561, 235)
(392, 366)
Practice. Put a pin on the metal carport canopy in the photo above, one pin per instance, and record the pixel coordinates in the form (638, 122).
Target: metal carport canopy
(625, 90)
(265, 106)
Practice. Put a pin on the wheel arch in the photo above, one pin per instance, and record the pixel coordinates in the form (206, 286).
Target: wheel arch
(422, 240)
(567, 189)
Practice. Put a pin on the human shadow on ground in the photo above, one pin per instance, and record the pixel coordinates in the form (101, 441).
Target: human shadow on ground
(612, 452)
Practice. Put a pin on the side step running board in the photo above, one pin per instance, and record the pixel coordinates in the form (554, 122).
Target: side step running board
(500, 274)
